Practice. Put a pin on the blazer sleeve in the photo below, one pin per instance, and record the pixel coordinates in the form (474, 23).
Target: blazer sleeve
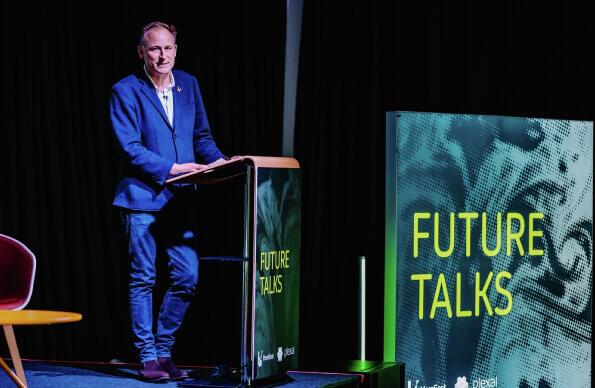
(204, 144)
(128, 135)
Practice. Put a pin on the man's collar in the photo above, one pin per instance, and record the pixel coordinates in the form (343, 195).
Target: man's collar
(168, 87)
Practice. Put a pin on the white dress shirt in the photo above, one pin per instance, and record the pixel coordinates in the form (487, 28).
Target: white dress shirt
(166, 96)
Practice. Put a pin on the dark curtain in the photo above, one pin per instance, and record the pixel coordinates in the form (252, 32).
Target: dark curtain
(60, 162)
(360, 59)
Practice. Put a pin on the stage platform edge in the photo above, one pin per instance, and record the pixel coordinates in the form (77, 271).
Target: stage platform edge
(372, 374)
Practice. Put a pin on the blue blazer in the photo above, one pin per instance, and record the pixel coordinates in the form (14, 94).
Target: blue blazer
(150, 144)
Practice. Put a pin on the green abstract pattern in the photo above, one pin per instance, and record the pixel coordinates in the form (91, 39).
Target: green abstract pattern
(494, 236)
(277, 271)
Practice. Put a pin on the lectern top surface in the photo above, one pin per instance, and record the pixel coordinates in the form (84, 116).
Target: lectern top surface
(225, 169)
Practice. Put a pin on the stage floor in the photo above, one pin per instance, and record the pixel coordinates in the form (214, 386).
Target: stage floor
(60, 374)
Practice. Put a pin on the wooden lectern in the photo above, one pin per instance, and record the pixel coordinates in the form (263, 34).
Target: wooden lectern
(270, 260)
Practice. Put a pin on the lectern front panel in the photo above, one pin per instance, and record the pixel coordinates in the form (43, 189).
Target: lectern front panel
(276, 271)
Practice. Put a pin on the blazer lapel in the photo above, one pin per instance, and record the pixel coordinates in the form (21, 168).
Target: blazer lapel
(177, 93)
(151, 94)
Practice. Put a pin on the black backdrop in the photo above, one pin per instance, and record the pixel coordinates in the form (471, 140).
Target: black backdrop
(358, 59)
(61, 163)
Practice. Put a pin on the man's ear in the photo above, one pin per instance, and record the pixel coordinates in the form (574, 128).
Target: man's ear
(139, 50)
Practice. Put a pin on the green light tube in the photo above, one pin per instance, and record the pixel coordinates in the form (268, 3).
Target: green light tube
(362, 271)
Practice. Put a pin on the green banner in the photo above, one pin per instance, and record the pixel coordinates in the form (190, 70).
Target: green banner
(277, 271)
(493, 223)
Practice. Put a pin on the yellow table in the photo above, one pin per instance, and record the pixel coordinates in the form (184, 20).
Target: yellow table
(8, 318)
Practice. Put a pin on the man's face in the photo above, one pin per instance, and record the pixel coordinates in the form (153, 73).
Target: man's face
(158, 51)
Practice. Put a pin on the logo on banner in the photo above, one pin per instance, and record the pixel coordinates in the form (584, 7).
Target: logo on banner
(491, 382)
(462, 382)
(410, 385)
(280, 354)
(259, 361)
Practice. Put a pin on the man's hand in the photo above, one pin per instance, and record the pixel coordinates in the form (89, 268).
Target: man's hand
(178, 169)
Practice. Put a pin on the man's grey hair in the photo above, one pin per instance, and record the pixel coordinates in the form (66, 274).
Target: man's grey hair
(170, 27)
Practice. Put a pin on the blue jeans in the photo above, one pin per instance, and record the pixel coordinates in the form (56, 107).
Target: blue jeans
(169, 233)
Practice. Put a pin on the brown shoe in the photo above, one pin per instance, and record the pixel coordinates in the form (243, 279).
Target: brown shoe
(174, 373)
(152, 371)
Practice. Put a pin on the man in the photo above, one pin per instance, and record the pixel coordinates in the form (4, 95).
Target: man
(161, 126)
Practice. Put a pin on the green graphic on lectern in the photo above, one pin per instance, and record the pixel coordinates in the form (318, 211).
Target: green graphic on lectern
(277, 269)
